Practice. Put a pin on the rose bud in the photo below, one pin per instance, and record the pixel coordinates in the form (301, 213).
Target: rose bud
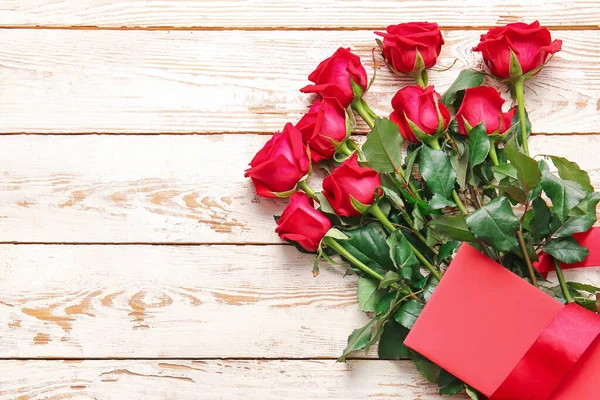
(350, 180)
(402, 42)
(421, 108)
(333, 77)
(324, 124)
(301, 223)
(280, 164)
(483, 104)
(530, 44)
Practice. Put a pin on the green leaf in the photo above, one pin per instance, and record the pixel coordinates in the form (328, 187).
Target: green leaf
(511, 191)
(385, 303)
(567, 250)
(368, 244)
(408, 313)
(383, 146)
(391, 344)
(429, 370)
(479, 145)
(584, 287)
(540, 224)
(418, 219)
(389, 278)
(453, 227)
(582, 222)
(570, 171)
(504, 170)
(460, 164)
(447, 249)
(437, 171)
(336, 234)
(528, 172)
(410, 160)
(368, 294)
(438, 202)
(358, 339)
(472, 393)
(564, 194)
(400, 251)
(465, 80)
(450, 384)
(496, 224)
(516, 123)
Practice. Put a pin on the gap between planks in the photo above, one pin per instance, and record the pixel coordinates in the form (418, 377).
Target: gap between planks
(269, 28)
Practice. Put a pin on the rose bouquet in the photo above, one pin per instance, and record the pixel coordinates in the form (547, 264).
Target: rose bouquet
(440, 171)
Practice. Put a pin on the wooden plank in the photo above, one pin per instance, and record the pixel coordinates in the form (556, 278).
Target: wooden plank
(62, 81)
(292, 14)
(172, 301)
(99, 301)
(158, 189)
(215, 379)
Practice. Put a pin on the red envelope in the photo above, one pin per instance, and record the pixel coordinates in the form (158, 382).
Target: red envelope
(482, 319)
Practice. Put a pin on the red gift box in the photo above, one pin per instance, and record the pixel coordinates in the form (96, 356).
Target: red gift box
(506, 338)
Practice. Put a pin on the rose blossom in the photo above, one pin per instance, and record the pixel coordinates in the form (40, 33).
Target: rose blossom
(531, 44)
(301, 223)
(401, 43)
(350, 180)
(280, 164)
(324, 122)
(418, 105)
(332, 77)
(483, 104)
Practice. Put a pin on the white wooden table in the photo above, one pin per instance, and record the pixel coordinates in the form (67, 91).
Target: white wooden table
(135, 260)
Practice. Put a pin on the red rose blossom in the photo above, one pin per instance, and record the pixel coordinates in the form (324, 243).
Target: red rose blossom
(280, 164)
(401, 43)
(324, 122)
(301, 223)
(419, 106)
(350, 180)
(484, 104)
(531, 44)
(332, 77)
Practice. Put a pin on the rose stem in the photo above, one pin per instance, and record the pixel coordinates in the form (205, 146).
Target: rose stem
(359, 107)
(436, 146)
(302, 185)
(377, 213)
(561, 280)
(344, 149)
(362, 266)
(520, 92)
(493, 154)
(527, 259)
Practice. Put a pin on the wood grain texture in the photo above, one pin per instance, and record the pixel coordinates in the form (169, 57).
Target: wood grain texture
(64, 301)
(200, 379)
(64, 81)
(292, 13)
(158, 189)
(172, 301)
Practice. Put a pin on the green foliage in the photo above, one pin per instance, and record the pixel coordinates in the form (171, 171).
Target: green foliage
(564, 194)
(391, 344)
(570, 171)
(368, 244)
(479, 145)
(453, 227)
(429, 370)
(437, 171)
(495, 224)
(466, 79)
(528, 172)
(358, 340)
(408, 313)
(567, 250)
(368, 294)
(382, 147)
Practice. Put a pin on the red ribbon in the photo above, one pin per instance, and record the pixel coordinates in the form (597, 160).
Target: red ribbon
(552, 356)
(556, 352)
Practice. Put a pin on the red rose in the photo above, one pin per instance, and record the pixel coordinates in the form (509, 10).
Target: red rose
(483, 103)
(350, 179)
(332, 77)
(280, 164)
(401, 43)
(301, 223)
(531, 44)
(418, 105)
(324, 122)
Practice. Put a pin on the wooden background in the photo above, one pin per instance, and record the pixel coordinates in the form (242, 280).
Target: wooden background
(135, 260)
